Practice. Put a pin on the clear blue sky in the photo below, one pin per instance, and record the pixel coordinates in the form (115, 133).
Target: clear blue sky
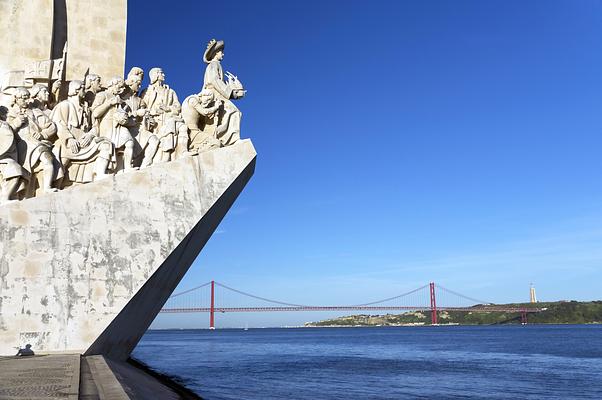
(399, 142)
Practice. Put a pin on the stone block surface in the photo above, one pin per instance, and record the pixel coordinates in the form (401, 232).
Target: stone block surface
(88, 268)
(95, 32)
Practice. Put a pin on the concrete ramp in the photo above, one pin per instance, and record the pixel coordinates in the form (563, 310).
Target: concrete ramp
(87, 269)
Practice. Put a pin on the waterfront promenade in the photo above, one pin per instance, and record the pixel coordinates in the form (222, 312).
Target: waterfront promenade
(72, 377)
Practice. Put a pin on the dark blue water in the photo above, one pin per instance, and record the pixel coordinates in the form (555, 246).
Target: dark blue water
(506, 362)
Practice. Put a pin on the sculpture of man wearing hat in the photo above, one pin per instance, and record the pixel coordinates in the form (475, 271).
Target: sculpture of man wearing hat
(232, 89)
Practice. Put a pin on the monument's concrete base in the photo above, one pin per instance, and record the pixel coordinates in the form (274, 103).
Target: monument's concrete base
(87, 269)
(72, 377)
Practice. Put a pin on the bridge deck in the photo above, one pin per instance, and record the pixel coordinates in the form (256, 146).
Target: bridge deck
(351, 308)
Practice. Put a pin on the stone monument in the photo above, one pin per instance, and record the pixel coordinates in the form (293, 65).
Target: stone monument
(108, 193)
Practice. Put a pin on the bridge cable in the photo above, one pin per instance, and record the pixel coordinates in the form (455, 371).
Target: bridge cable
(391, 298)
(189, 290)
(465, 297)
(260, 298)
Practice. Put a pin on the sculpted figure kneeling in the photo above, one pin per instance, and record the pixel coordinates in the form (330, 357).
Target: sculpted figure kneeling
(163, 104)
(35, 134)
(229, 114)
(200, 113)
(147, 140)
(83, 153)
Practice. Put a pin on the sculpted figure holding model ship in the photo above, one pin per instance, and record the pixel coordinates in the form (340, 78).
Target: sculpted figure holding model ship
(229, 115)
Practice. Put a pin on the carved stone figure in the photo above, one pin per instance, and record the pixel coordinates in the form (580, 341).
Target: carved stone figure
(199, 111)
(12, 175)
(52, 144)
(40, 98)
(232, 89)
(55, 92)
(35, 134)
(130, 95)
(142, 125)
(105, 105)
(163, 104)
(122, 138)
(147, 141)
(93, 86)
(84, 154)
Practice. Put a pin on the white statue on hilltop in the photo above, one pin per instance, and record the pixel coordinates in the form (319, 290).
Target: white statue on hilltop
(223, 90)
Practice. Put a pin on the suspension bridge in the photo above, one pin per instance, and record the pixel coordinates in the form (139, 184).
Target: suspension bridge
(429, 298)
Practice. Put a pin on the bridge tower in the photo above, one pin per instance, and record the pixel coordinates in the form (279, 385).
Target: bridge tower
(212, 310)
(433, 304)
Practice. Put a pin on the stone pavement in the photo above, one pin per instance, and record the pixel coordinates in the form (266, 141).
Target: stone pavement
(40, 377)
(72, 377)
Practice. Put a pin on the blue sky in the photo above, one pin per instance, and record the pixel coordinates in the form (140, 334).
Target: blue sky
(399, 143)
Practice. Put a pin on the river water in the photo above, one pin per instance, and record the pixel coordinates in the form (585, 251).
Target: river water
(443, 362)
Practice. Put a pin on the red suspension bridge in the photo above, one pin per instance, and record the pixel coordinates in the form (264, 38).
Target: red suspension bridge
(429, 298)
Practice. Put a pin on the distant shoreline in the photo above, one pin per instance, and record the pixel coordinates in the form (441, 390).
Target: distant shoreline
(359, 326)
(430, 325)
(559, 312)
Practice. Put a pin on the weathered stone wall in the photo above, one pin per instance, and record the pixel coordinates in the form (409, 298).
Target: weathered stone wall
(89, 267)
(95, 33)
(26, 32)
